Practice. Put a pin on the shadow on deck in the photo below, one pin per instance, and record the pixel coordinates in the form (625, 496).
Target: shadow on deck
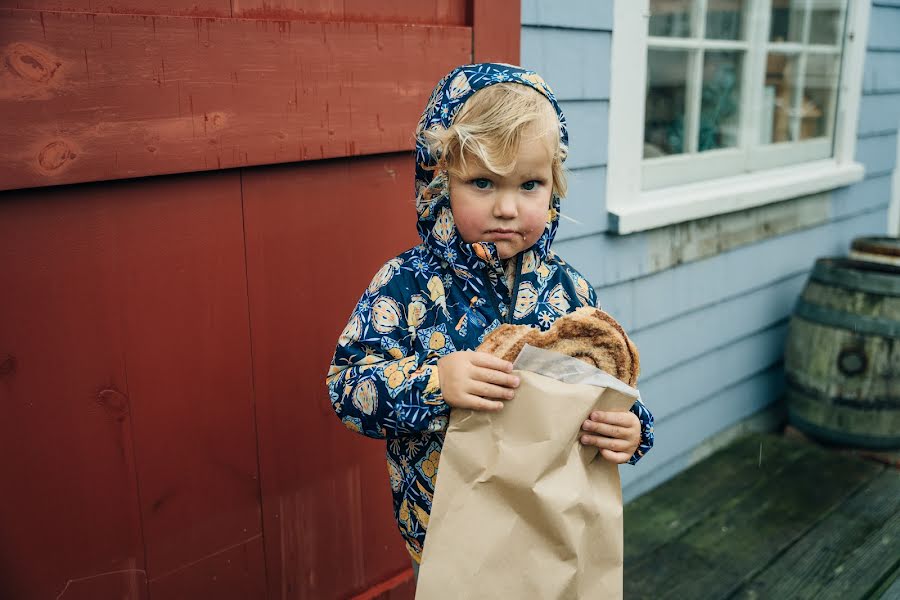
(768, 518)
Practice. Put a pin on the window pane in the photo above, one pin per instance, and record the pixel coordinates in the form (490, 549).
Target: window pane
(826, 23)
(670, 18)
(778, 98)
(724, 19)
(819, 92)
(720, 100)
(666, 88)
(787, 20)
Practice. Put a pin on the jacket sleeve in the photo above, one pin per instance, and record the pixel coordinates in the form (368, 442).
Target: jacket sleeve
(646, 418)
(378, 384)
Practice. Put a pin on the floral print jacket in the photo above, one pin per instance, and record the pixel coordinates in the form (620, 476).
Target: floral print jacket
(442, 296)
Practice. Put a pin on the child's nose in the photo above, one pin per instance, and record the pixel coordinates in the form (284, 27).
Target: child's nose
(505, 206)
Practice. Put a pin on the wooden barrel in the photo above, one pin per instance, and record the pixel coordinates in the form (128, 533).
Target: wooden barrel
(842, 359)
(876, 249)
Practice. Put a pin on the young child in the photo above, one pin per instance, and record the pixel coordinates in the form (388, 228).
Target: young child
(489, 178)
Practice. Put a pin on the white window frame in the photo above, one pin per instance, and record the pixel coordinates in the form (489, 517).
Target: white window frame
(632, 207)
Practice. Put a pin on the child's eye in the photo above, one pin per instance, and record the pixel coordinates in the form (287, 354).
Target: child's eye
(481, 183)
(531, 185)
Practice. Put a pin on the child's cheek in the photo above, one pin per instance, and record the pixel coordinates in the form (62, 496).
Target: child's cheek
(534, 224)
(468, 226)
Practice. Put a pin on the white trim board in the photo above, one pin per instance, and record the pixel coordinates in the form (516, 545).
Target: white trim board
(677, 204)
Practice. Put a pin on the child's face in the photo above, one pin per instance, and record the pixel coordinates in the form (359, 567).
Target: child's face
(509, 210)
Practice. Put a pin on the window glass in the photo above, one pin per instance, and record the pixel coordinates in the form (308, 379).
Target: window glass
(720, 100)
(826, 22)
(787, 20)
(671, 18)
(779, 98)
(665, 107)
(819, 95)
(724, 19)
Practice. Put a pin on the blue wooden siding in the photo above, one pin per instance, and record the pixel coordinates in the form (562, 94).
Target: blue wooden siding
(711, 332)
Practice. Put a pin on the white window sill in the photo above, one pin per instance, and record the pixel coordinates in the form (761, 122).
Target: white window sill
(678, 204)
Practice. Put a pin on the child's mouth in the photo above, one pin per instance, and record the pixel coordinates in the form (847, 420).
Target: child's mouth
(504, 234)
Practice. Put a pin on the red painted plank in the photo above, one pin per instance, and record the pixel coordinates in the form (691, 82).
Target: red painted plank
(88, 97)
(195, 8)
(128, 343)
(69, 516)
(430, 12)
(404, 591)
(496, 28)
(425, 12)
(399, 586)
(234, 572)
(316, 233)
(187, 343)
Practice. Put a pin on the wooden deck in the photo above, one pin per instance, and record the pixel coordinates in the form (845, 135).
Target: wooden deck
(768, 517)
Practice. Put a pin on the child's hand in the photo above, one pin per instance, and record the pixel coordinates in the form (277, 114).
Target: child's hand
(619, 434)
(476, 380)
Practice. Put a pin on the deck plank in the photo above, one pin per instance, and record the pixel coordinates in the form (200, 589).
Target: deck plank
(657, 518)
(890, 588)
(868, 565)
(827, 559)
(738, 536)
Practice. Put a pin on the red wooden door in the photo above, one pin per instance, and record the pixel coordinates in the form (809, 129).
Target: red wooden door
(164, 426)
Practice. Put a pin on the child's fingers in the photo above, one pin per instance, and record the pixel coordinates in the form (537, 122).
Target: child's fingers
(615, 451)
(618, 458)
(489, 390)
(610, 431)
(625, 417)
(495, 377)
(489, 361)
(477, 403)
(605, 443)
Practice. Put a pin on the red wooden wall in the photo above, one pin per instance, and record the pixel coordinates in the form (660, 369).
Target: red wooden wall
(170, 296)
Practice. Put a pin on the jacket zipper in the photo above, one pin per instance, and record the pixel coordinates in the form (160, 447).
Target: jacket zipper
(514, 293)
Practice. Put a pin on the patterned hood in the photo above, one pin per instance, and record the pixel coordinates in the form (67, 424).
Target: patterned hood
(436, 226)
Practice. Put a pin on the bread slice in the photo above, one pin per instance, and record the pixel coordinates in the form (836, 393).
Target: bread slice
(588, 334)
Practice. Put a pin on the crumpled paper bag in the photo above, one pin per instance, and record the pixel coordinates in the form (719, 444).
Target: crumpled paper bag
(521, 509)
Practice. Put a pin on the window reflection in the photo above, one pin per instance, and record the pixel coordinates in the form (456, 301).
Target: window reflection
(825, 22)
(787, 20)
(724, 20)
(670, 18)
(720, 101)
(778, 98)
(666, 91)
(819, 94)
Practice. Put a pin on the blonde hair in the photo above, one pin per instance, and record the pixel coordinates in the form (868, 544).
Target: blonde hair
(492, 124)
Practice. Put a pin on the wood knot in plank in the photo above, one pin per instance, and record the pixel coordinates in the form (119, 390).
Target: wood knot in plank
(54, 155)
(214, 121)
(31, 64)
(114, 402)
(8, 365)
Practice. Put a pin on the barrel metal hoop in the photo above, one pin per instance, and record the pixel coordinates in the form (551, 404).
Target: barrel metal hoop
(841, 437)
(885, 246)
(887, 285)
(849, 321)
(882, 403)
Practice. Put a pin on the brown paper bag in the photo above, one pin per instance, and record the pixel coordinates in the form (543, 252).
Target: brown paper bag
(521, 509)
